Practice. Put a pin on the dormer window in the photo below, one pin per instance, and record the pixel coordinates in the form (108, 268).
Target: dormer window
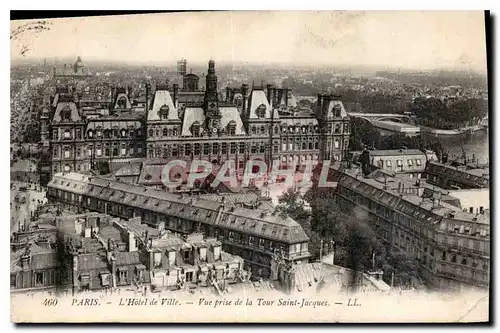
(261, 111)
(216, 252)
(164, 112)
(122, 103)
(195, 129)
(337, 109)
(66, 114)
(231, 127)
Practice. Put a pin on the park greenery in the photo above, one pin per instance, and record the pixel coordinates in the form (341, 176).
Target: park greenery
(433, 112)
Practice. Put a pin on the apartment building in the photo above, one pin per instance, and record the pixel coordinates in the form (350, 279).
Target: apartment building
(451, 246)
(244, 229)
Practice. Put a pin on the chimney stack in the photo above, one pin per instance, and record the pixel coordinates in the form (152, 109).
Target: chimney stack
(176, 93)
(285, 96)
(244, 92)
(269, 93)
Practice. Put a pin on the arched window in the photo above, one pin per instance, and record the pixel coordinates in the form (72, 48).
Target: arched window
(165, 132)
(231, 127)
(123, 132)
(107, 133)
(90, 133)
(254, 130)
(66, 114)
(195, 129)
(262, 130)
(151, 133)
(276, 130)
(261, 111)
(122, 102)
(337, 128)
(304, 146)
(67, 167)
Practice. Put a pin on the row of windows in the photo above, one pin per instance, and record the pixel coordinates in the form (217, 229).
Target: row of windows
(185, 226)
(197, 149)
(163, 132)
(68, 167)
(399, 163)
(409, 241)
(122, 150)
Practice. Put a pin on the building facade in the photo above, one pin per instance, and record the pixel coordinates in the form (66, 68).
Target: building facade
(259, 123)
(451, 246)
(408, 162)
(243, 229)
(456, 178)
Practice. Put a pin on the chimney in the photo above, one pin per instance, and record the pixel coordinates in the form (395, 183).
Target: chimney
(176, 92)
(25, 261)
(244, 92)
(285, 96)
(131, 242)
(319, 106)
(269, 93)
(275, 101)
(113, 270)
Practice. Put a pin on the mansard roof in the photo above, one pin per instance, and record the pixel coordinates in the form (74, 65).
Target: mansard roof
(163, 99)
(251, 221)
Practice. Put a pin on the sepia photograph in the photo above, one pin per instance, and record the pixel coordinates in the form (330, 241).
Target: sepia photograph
(250, 167)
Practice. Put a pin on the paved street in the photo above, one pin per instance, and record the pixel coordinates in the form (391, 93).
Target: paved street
(23, 203)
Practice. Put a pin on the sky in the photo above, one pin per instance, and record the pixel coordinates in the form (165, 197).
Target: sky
(410, 40)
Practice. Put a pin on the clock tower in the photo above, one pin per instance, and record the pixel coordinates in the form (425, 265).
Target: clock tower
(211, 104)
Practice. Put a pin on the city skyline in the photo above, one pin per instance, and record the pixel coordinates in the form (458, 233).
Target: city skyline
(406, 40)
